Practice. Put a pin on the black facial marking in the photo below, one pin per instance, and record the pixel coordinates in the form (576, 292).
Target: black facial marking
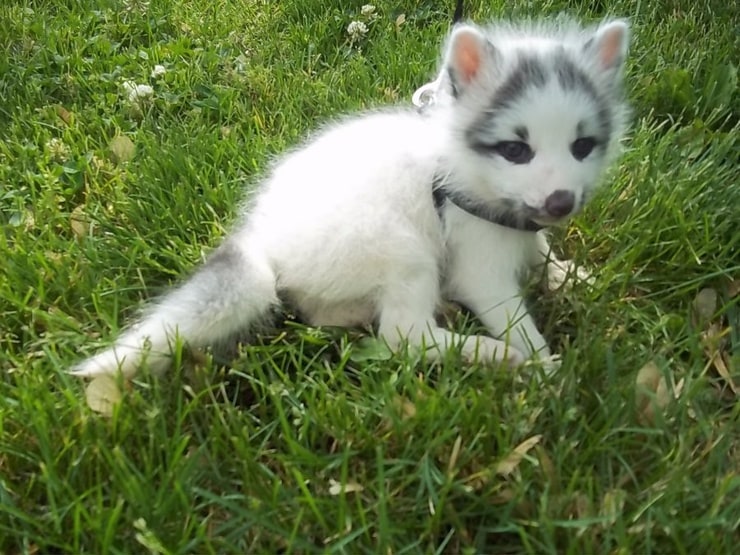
(604, 115)
(529, 73)
(572, 78)
(515, 152)
(453, 83)
(533, 72)
(582, 147)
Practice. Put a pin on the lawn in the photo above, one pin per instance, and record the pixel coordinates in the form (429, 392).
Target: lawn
(318, 440)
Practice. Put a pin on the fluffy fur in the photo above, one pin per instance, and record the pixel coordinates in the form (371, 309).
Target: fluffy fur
(348, 231)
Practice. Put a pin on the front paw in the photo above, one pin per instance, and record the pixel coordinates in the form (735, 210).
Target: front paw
(487, 350)
(529, 341)
(538, 355)
(564, 273)
(549, 363)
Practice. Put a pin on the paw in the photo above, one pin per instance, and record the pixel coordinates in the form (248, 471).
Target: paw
(487, 349)
(562, 273)
(549, 363)
(530, 342)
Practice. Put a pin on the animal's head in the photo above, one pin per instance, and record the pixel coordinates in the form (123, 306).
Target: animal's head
(536, 113)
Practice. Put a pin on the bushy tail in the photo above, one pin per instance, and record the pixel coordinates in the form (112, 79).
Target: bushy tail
(235, 289)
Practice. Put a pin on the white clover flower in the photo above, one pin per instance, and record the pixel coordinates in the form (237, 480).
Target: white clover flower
(158, 71)
(338, 488)
(137, 93)
(278, 389)
(58, 149)
(102, 164)
(356, 30)
(240, 63)
(367, 10)
(298, 413)
(135, 6)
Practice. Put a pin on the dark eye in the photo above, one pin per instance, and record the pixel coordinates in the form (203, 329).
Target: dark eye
(515, 152)
(582, 147)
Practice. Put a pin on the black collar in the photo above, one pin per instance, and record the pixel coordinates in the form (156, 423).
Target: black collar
(442, 194)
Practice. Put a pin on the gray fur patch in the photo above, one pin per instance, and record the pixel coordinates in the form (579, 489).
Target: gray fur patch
(571, 78)
(605, 122)
(225, 258)
(530, 72)
(453, 83)
(533, 72)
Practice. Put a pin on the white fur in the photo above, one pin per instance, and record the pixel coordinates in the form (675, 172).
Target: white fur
(345, 229)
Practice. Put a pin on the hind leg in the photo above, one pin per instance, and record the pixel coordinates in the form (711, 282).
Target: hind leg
(406, 308)
(233, 290)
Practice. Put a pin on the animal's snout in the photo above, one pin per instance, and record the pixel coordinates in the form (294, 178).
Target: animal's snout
(560, 203)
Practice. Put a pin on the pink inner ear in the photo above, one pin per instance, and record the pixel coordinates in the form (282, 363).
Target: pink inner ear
(467, 56)
(610, 47)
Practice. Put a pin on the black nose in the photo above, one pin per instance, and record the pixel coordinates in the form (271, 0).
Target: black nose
(560, 203)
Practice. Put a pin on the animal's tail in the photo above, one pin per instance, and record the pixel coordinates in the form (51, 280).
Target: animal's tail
(235, 289)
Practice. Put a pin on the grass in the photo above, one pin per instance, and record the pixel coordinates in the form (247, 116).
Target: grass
(316, 440)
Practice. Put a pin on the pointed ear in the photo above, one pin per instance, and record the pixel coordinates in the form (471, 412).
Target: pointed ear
(469, 55)
(609, 45)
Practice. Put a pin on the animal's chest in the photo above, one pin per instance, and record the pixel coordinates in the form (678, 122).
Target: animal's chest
(478, 251)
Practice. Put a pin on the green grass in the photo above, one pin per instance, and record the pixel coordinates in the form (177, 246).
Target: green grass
(243, 458)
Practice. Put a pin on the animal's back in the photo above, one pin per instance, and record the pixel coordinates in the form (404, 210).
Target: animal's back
(344, 211)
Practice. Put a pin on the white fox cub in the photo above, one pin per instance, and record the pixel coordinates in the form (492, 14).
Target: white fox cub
(381, 217)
